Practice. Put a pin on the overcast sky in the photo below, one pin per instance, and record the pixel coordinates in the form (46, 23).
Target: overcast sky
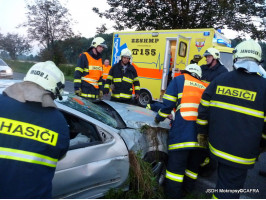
(12, 13)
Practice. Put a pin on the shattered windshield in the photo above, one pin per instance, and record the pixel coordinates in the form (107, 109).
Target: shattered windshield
(88, 108)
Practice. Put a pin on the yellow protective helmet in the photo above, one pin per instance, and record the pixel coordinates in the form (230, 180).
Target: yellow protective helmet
(212, 52)
(194, 69)
(48, 76)
(248, 49)
(126, 53)
(98, 41)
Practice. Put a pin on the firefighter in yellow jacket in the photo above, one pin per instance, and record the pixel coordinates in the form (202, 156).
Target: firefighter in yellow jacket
(89, 70)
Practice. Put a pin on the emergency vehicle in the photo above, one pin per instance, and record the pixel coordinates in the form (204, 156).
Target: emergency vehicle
(155, 54)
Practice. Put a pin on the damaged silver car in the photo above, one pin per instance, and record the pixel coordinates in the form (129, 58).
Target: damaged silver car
(102, 134)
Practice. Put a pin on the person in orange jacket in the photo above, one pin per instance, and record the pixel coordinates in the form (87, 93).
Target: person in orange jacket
(106, 69)
(88, 73)
(184, 152)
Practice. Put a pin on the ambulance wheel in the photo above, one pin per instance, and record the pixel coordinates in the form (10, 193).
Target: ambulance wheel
(144, 98)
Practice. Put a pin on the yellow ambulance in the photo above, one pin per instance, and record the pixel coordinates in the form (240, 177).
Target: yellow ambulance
(155, 54)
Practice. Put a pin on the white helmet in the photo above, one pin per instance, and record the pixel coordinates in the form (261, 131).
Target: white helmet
(126, 53)
(248, 49)
(212, 52)
(195, 70)
(98, 41)
(47, 75)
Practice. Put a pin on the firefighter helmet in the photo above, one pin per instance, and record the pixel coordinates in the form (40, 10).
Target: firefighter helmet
(248, 49)
(212, 52)
(47, 75)
(98, 41)
(126, 53)
(195, 70)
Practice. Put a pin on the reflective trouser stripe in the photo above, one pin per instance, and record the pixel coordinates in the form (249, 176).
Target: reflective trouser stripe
(232, 158)
(77, 80)
(191, 174)
(264, 136)
(89, 95)
(137, 88)
(26, 156)
(126, 96)
(174, 177)
(214, 197)
(184, 145)
(236, 108)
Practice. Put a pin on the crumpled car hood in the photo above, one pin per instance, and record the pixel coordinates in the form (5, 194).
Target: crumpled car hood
(136, 117)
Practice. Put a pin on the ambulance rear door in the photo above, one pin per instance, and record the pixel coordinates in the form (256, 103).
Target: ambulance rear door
(181, 54)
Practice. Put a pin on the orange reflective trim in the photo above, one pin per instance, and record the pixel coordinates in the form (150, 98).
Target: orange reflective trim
(94, 74)
(192, 92)
(148, 73)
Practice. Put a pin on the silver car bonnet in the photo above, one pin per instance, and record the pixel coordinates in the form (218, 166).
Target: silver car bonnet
(142, 132)
(136, 117)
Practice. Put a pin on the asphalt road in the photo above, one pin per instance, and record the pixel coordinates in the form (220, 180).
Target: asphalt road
(69, 86)
(254, 180)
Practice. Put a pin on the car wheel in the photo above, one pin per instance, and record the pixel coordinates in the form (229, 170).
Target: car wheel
(144, 98)
(158, 161)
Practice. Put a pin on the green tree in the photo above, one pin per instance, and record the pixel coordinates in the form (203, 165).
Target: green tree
(14, 44)
(47, 22)
(74, 46)
(107, 53)
(182, 14)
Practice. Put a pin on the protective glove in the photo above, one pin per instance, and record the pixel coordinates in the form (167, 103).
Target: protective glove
(112, 87)
(156, 121)
(148, 106)
(197, 58)
(100, 94)
(78, 92)
(105, 90)
(202, 140)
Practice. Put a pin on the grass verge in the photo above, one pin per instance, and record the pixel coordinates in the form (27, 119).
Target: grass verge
(23, 67)
(142, 183)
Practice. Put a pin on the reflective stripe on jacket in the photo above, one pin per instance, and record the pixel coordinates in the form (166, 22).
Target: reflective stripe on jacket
(123, 81)
(192, 92)
(106, 70)
(232, 112)
(183, 133)
(32, 140)
(95, 71)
